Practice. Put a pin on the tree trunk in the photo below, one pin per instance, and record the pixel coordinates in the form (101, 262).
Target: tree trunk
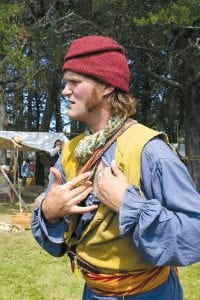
(82, 8)
(50, 104)
(188, 71)
(2, 125)
(192, 138)
(39, 171)
(58, 116)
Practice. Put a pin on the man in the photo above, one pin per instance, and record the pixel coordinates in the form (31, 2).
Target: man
(127, 213)
(56, 151)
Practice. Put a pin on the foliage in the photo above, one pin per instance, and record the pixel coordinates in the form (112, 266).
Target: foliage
(29, 66)
(151, 33)
(177, 13)
(161, 39)
(145, 29)
(162, 44)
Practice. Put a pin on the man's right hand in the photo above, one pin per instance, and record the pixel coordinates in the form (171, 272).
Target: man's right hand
(64, 199)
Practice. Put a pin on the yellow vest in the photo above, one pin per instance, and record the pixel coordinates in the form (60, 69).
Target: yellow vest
(100, 243)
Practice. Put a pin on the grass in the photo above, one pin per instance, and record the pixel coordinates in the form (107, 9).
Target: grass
(27, 272)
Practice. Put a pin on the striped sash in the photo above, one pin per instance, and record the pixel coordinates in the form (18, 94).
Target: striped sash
(126, 284)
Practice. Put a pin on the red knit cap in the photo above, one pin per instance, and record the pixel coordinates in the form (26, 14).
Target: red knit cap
(99, 57)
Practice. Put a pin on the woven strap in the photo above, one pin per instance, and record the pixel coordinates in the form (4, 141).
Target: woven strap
(99, 151)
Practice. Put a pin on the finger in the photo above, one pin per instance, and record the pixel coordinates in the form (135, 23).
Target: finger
(114, 167)
(57, 175)
(79, 180)
(80, 189)
(82, 196)
(82, 210)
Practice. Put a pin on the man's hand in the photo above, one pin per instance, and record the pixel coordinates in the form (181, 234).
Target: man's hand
(64, 199)
(110, 186)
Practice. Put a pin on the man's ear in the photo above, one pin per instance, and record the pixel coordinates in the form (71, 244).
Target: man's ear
(107, 90)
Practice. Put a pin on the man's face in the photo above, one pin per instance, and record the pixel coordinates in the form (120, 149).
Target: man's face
(85, 96)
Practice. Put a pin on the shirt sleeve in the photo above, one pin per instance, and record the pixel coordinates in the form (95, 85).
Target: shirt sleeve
(165, 219)
(50, 237)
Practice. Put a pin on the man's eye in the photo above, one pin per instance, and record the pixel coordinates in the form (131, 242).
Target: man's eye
(74, 82)
(63, 83)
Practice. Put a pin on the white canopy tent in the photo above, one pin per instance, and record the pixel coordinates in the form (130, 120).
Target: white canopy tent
(30, 141)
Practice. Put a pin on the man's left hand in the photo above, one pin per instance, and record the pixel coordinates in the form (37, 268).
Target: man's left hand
(111, 185)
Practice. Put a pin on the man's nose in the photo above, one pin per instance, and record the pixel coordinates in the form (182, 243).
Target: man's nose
(66, 91)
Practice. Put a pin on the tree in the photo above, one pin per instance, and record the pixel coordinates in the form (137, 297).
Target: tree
(180, 71)
(161, 39)
(162, 43)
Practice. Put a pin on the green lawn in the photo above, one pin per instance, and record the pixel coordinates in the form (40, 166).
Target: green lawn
(29, 273)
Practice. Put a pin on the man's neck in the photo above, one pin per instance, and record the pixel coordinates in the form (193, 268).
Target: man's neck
(99, 122)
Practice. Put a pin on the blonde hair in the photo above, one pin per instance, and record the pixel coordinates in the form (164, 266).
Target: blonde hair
(122, 104)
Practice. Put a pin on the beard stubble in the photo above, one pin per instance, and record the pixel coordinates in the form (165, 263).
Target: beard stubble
(93, 100)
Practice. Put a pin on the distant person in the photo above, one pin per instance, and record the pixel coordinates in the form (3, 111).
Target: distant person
(56, 151)
(25, 173)
(31, 168)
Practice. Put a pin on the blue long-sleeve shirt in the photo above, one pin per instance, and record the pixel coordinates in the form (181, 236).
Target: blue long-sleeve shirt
(164, 221)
